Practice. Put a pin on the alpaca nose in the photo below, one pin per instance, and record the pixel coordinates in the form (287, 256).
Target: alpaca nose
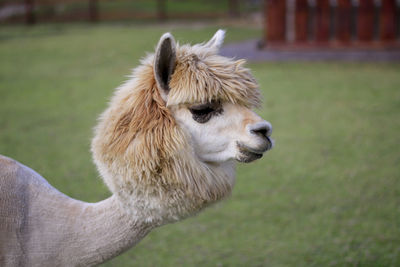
(263, 129)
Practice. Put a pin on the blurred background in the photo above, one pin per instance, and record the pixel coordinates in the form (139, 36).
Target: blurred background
(32, 11)
(328, 194)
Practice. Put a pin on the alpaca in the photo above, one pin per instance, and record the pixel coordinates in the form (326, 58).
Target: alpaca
(166, 147)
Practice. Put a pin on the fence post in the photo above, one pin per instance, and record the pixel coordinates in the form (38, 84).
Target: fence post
(93, 11)
(387, 29)
(343, 21)
(161, 10)
(323, 12)
(365, 20)
(30, 17)
(301, 20)
(276, 20)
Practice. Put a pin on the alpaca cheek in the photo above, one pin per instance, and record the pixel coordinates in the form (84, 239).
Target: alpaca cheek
(212, 141)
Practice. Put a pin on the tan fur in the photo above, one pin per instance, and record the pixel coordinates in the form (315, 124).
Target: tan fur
(202, 76)
(145, 157)
(248, 118)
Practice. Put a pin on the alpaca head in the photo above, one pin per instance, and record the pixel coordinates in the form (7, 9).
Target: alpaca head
(211, 98)
(168, 142)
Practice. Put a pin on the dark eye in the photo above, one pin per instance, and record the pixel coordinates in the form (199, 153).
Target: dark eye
(203, 112)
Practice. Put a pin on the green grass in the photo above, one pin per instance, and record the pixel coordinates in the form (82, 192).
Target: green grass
(328, 194)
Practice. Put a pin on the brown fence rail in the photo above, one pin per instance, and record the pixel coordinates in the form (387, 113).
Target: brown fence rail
(36, 11)
(327, 22)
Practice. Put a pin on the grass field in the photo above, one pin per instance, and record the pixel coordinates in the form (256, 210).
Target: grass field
(328, 194)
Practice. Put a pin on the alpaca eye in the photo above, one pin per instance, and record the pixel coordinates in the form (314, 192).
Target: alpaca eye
(203, 112)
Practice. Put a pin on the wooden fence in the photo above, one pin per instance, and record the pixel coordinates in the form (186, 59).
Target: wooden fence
(327, 22)
(34, 11)
(83, 10)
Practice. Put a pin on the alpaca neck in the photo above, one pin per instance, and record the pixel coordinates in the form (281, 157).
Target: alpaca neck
(62, 231)
(101, 231)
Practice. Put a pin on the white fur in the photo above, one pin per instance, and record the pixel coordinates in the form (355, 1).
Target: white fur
(216, 140)
(216, 41)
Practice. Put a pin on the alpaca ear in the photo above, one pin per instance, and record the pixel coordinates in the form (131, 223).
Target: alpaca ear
(164, 64)
(216, 41)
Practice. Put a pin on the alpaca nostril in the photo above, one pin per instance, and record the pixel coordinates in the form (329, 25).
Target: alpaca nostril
(262, 129)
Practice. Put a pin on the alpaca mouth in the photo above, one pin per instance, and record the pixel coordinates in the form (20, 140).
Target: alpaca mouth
(248, 154)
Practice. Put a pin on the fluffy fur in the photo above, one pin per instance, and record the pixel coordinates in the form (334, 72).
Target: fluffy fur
(143, 155)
